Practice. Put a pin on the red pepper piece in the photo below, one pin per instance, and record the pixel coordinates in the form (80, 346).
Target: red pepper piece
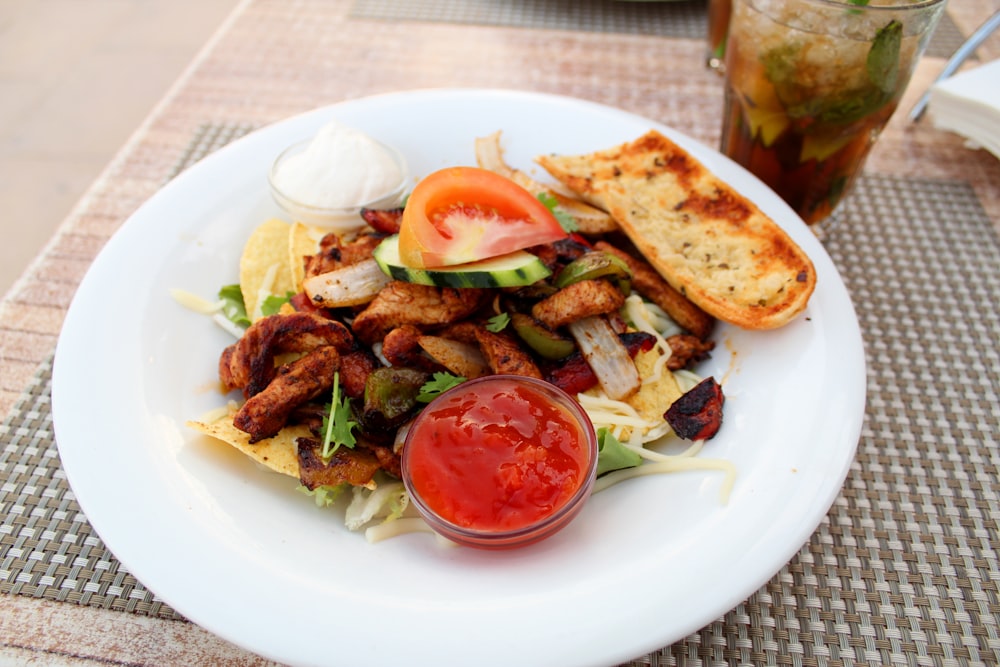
(303, 304)
(385, 221)
(697, 415)
(573, 374)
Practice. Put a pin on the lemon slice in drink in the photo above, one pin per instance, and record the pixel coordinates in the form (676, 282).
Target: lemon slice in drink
(766, 124)
(819, 148)
(764, 112)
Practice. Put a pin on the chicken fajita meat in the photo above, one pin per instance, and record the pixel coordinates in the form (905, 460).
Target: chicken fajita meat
(294, 383)
(249, 363)
(380, 352)
(335, 253)
(402, 303)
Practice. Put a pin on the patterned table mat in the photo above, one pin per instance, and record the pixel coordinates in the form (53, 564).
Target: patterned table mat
(903, 569)
(686, 19)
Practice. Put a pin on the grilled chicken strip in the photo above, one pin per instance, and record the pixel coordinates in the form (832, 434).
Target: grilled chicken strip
(334, 253)
(248, 364)
(649, 283)
(402, 303)
(577, 301)
(401, 347)
(504, 356)
(355, 367)
(686, 350)
(458, 357)
(266, 412)
(385, 221)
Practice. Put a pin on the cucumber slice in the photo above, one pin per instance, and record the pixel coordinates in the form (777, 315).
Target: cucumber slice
(511, 270)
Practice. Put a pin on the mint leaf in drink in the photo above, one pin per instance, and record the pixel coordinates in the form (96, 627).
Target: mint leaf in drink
(848, 106)
(780, 66)
(883, 58)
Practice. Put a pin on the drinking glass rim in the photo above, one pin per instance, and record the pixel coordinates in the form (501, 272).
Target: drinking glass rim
(906, 7)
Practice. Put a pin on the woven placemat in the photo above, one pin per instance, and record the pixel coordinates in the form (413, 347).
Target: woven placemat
(686, 19)
(902, 571)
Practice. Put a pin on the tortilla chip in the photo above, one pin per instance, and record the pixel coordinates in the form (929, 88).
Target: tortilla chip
(302, 241)
(277, 453)
(653, 398)
(264, 266)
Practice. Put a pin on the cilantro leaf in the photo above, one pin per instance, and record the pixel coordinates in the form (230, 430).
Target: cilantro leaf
(232, 305)
(437, 385)
(566, 221)
(337, 424)
(498, 322)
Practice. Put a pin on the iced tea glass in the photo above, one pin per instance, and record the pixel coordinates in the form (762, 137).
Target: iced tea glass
(809, 86)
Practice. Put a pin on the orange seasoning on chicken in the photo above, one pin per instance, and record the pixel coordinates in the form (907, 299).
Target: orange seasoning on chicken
(501, 461)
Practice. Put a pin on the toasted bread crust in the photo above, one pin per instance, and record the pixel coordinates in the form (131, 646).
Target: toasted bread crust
(707, 240)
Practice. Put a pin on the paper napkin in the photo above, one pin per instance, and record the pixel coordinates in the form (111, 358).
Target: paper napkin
(968, 103)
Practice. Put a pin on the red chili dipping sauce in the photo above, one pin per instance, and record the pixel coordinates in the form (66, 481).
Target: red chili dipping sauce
(500, 461)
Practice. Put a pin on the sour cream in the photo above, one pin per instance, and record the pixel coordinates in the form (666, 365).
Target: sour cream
(340, 168)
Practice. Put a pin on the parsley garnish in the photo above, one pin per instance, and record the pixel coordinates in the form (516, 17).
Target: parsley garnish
(337, 424)
(437, 385)
(498, 322)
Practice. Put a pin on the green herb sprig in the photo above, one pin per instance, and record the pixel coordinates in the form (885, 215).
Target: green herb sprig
(338, 427)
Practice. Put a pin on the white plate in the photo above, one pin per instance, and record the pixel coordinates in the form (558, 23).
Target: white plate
(238, 551)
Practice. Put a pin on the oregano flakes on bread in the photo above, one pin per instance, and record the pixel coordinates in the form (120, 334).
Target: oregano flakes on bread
(706, 239)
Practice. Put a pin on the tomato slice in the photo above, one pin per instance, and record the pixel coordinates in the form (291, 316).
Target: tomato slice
(466, 214)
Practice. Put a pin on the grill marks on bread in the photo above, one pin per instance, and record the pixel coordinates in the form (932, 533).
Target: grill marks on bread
(708, 241)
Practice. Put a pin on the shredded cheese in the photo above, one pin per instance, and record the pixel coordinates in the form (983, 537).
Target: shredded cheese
(673, 464)
(651, 319)
(203, 306)
(384, 531)
(266, 285)
(635, 432)
(687, 380)
(227, 324)
(616, 416)
(194, 302)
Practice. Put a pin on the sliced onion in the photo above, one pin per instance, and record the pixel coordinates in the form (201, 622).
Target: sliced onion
(606, 356)
(351, 285)
(591, 220)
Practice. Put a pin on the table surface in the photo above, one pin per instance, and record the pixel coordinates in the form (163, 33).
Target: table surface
(902, 571)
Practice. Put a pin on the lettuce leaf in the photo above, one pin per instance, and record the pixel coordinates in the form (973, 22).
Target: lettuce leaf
(612, 454)
(232, 305)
